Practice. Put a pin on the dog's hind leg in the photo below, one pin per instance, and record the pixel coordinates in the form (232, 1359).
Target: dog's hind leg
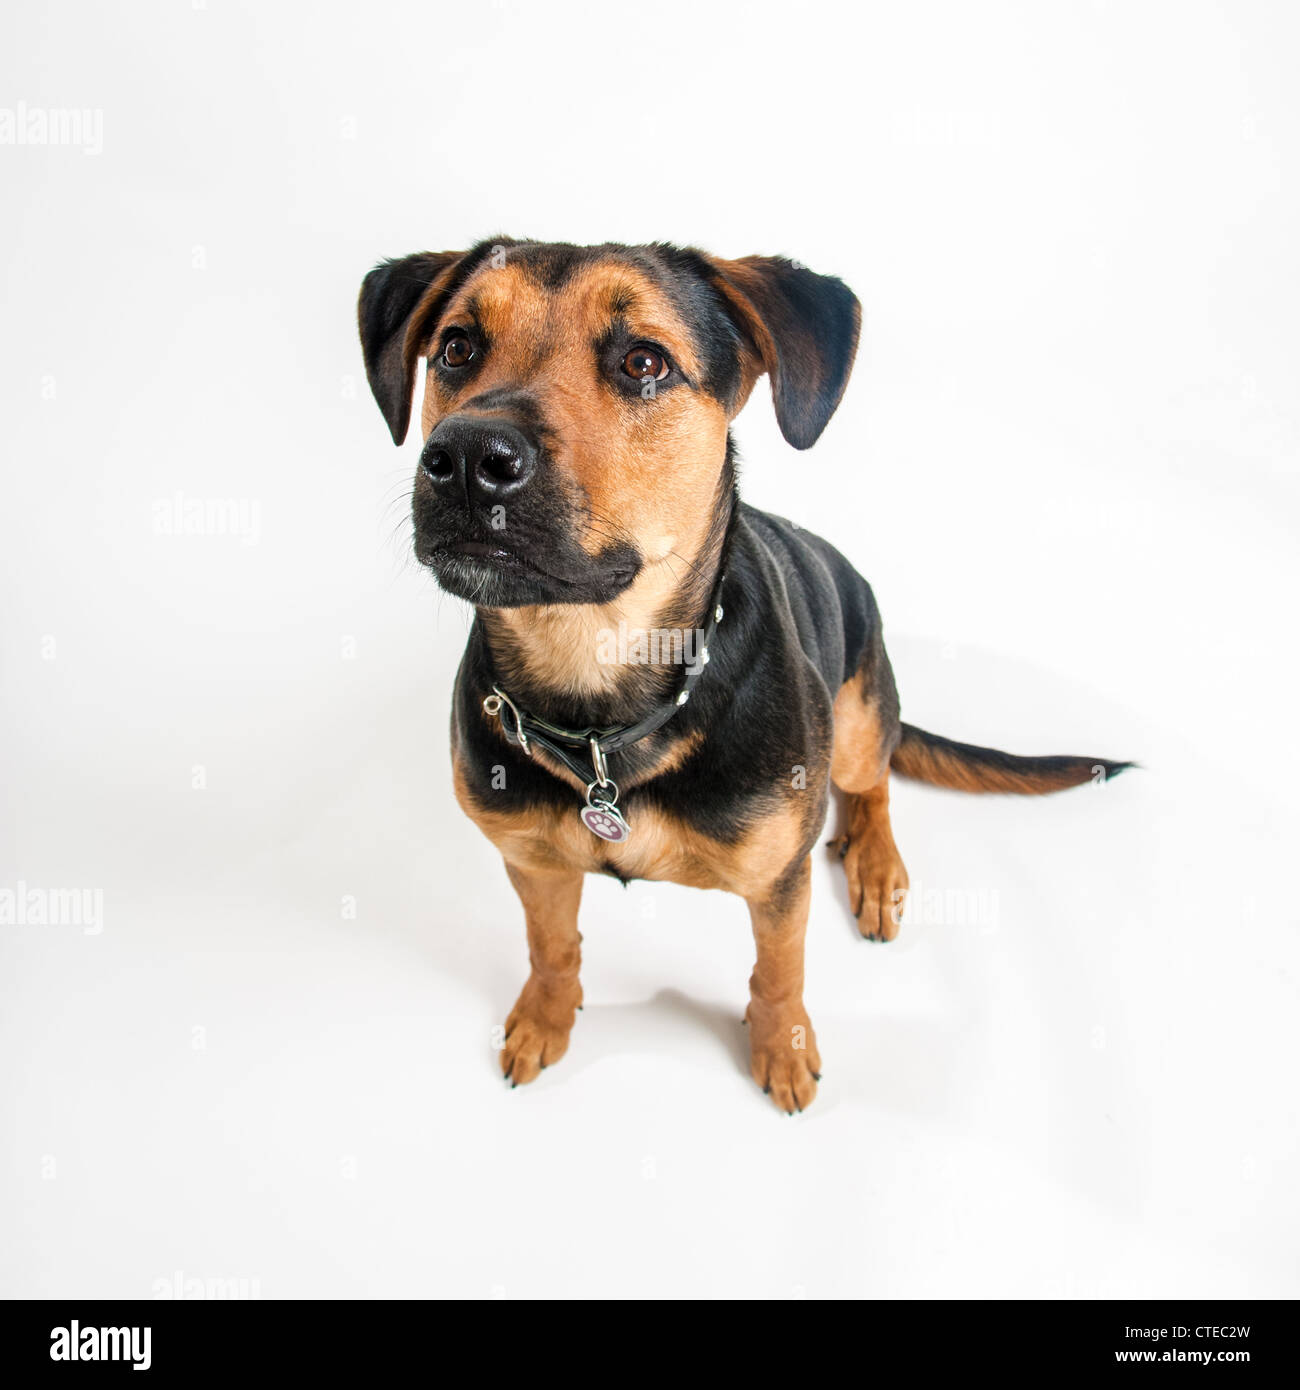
(866, 733)
(537, 1031)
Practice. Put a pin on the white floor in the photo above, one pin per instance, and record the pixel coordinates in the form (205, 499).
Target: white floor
(1084, 1090)
(1067, 462)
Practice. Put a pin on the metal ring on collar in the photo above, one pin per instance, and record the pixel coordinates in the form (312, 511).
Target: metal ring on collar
(492, 705)
(605, 800)
(598, 764)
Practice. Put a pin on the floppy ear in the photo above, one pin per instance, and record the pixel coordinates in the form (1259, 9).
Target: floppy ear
(397, 299)
(801, 329)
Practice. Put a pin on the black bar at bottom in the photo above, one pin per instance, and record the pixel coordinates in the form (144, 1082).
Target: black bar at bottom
(181, 1341)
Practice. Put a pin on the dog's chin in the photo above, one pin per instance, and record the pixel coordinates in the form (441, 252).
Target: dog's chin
(492, 576)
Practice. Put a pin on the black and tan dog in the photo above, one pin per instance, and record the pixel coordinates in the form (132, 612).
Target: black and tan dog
(578, 480)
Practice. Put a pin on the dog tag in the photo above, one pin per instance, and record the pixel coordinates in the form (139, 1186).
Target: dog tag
(604, 820)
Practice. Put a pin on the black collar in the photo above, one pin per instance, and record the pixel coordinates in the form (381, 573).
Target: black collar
(524, 729)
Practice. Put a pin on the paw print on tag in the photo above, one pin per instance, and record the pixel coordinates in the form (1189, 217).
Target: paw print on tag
(608, 824)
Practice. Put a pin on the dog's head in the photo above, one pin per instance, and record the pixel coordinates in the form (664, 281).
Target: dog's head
(577, 401)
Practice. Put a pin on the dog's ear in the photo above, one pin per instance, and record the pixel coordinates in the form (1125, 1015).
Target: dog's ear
(799, 328)
(397, 299)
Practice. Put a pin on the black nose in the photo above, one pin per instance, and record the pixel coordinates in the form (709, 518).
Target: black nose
(479, 460)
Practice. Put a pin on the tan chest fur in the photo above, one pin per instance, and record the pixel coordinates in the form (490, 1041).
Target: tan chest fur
(660, 847)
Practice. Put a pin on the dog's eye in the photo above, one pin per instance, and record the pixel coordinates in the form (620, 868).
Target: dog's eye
(645, 363)
(457, 350)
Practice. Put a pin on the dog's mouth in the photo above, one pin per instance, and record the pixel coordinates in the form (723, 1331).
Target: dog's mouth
(491, 553)
(497, 575)
(489, 556)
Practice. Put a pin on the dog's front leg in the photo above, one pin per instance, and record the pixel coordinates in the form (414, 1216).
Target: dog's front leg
(782, 1047)
(537, 1031)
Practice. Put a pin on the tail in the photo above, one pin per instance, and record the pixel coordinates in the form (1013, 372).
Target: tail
(962, 767)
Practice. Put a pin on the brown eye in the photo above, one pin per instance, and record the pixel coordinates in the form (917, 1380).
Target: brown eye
(644, 363)
(457, 350)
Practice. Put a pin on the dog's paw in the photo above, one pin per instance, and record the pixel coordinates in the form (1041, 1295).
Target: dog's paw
(783, 1055)
(537, 1031)
(877, 880)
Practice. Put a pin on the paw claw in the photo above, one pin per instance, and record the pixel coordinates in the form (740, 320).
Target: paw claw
(783, 1055)
(537, 1031)
(876, 876)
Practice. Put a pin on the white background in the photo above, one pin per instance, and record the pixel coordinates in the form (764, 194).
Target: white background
(1067, 462)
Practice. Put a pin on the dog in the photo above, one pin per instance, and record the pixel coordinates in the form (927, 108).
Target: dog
(578, 481)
